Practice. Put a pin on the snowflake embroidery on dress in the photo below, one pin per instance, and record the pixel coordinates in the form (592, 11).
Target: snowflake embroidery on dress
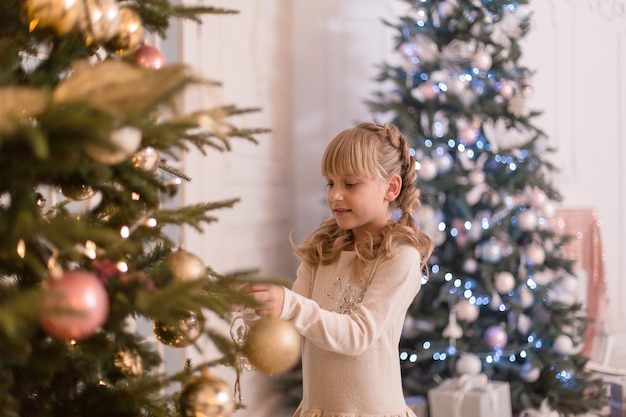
(346, 295)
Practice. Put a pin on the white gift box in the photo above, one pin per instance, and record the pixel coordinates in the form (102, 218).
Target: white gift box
(470, 396)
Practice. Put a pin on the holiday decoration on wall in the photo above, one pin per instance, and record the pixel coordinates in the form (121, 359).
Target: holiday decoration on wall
(90, 147)
(497, 298)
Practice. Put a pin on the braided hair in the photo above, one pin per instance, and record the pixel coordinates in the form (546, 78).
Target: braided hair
(371, 151)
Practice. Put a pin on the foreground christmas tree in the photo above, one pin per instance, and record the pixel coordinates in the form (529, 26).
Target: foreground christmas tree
(500, 295)
(88, 123)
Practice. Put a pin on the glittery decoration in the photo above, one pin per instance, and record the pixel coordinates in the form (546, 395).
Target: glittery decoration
(346, 294)
(129, 362)
(586, 250)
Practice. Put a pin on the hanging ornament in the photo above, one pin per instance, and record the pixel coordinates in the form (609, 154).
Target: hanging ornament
(548, 210)
(476, 177)
(565, 291)
(524, 324)
(78, 193)
(272, 345)
(527, 220)
(125, 140)
(457, 86)
(505, 88)
(470, 265)
(482, 61)
(490, 251)
(504, 282)
(537, 197)
(147, 158)
(544, 277)
(495, 302)
(452, 331)
(148, 57)
(425, 92)
(535, 254)
(495, 337)
(468, 364)
(185, 266)
(99, 20)
(427, 169)
(129, 362)
(206, 396)
(130, 30)
(76, 305)
(466, 311)
(468, 135)
(529, 372)
(526, 297)
(58, 15)
(563, 345)
(183, 332)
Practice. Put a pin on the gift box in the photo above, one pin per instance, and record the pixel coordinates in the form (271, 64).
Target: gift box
(470, 396)
(419, 405)
(617, 402)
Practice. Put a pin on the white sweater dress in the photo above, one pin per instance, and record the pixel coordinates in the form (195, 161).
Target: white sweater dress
(351, 331)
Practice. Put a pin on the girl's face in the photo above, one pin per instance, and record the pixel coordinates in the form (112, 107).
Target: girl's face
(360, 204)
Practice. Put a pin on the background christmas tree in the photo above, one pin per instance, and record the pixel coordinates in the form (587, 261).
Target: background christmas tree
(500, 295)
(89, 139)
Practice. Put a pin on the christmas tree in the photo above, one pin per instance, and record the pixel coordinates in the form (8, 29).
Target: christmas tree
(90, 135)
(498, 299)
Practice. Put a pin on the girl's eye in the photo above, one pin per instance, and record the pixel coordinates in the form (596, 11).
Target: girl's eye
(351, 184)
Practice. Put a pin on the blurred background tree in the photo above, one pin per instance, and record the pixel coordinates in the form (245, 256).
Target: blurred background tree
(501, 297)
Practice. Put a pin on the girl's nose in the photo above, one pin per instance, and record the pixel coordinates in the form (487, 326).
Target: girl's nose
(335, 194)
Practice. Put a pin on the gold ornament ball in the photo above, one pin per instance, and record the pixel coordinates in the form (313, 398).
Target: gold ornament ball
(130, 30)
(129, 362)
(78, 192)
(206, 396)
(99, 20)
(186, 330)
(147, 158)
(59, 15)
(125, 141)
(185, 266)
(272, 345)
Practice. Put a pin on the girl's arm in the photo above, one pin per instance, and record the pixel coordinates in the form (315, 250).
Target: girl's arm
(391, 291)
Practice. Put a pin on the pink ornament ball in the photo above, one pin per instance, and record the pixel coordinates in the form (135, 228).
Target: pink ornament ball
(427, 91)
(495, 337)
(85, 299)
(468, 135)
(149, 57)
(466, 311)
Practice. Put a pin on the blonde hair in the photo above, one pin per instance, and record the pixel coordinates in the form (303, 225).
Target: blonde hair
(375, 152)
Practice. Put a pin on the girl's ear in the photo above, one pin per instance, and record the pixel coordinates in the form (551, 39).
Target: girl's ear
(394, 185)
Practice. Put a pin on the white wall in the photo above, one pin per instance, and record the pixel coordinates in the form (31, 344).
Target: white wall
(578, 48)
(249, 54)
(310, 64)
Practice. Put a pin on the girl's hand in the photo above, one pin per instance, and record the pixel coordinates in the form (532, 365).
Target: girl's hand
(272, 295)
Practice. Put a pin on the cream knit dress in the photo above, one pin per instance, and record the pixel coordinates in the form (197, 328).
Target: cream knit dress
(351, 331)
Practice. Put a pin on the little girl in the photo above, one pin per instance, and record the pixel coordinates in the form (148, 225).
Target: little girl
(360, 270)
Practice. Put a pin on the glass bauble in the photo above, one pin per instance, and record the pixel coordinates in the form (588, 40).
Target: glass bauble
(182, 333)
(76, 305)
(206, 396)
(272, 345)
